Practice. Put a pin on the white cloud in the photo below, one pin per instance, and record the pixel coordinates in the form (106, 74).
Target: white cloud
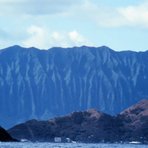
(43, 38)
(59, 39)
(135, 15)
(117, 16)
(68, 39)
(37, 37)
(76, 38)
(131, 15)
(103, 15)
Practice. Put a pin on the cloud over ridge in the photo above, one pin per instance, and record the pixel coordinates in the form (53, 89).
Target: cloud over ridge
(47, 23)
(43, 38)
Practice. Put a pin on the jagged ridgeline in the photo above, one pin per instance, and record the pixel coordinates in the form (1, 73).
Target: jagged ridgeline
(45, 83)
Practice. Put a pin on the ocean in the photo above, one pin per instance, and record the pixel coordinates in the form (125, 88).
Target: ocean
(66, 145)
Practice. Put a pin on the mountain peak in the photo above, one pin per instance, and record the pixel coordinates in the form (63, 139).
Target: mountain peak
(94, 113)
(14, 48)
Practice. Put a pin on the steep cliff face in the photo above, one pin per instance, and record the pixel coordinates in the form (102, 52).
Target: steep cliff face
(42, 84)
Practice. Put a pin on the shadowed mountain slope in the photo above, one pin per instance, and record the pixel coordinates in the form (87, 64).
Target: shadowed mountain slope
(4, 136)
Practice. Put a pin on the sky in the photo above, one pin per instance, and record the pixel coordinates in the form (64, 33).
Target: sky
(118, 24)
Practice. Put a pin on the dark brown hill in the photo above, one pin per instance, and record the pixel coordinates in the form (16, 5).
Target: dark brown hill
(135, 121)
(89, 126)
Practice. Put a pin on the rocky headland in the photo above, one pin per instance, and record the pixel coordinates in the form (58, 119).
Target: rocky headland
(89, 126)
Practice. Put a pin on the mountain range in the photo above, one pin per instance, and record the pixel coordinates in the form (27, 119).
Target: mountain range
(41, 84)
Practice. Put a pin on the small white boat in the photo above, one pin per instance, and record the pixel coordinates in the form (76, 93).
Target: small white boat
(24, 140)
(135, 142)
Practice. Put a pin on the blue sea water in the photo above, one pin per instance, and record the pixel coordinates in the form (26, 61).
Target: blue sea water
(67, 145)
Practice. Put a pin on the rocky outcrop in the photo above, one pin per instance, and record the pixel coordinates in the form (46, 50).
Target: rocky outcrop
(135, 121)
(48, 83)
(89, 126)
(4, 136)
